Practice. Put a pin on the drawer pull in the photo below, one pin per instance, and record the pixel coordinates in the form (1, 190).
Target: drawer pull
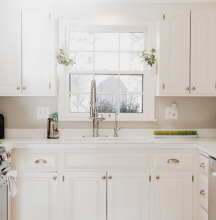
(173, 161)
(202, 165)
(40, 161)
(202, 192)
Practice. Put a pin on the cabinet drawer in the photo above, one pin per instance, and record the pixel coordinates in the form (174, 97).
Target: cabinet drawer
(173, 161)
(204, 165)
(203, 214)
(25, 160)
(101, 160)
(204, 191)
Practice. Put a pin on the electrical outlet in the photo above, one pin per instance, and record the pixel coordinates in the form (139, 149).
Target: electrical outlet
(171, 114)
(42, 112)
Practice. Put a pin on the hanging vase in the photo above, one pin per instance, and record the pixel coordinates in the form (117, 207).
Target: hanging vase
(152, 70)
(60, 69)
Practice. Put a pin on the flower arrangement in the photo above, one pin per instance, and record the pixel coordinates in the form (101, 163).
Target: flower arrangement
(148, 58)
(63, 60)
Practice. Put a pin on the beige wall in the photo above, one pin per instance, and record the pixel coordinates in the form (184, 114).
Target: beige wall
(21, 113)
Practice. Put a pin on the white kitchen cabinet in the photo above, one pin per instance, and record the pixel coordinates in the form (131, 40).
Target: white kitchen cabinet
(85, 196)
(173, 196)
(37, 197)
(35, 51)
(203, 51)
(10, 51)
(175, 52)
(128, 195)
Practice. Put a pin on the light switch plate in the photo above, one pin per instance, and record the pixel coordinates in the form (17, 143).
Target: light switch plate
(43, 112)
(170, 114)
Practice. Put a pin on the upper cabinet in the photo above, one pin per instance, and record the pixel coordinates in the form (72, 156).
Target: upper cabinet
(10, 51)
(24, 52)
(188, 53)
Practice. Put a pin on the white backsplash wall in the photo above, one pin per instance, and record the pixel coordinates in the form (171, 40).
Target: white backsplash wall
(21, 113)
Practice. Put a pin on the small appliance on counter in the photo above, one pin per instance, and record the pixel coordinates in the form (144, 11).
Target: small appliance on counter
(52, 130)
(1, 126)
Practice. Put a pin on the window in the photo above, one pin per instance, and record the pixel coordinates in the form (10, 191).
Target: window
(110, 55)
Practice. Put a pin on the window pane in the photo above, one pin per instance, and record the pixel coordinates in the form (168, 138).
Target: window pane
(106, 61)
(131, 103)
(84, 60)
(79, 103)
(107, 41)
(132, 41)
(107, 103)
(81, 41)
(131, 83)
(130, 62)
(107, 83)
(80, 83)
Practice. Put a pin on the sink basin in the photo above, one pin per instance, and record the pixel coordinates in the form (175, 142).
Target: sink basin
(106, 140)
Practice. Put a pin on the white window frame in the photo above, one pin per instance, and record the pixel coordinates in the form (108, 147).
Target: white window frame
(148, 27)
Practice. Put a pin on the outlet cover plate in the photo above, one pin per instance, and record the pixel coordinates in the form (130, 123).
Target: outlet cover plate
(170, 114)
(43, 112)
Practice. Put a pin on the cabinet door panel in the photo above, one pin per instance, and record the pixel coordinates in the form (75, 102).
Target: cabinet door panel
(10, 51)
(175, 46)
(35, 51)
(128, 196)
(85, 196)
(173, 196)
(36, 198)
(203, 51)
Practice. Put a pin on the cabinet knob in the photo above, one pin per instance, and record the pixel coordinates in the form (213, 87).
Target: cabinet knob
(18, 87)
(202, 165)
(110, 177)
(24, 87)
(103, 177)
(55, 177)
(202, 192)
(40, 161)
(187, 88)
(157, 177)
(193, 88)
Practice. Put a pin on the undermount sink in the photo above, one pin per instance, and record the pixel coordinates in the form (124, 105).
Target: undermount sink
(107, 139)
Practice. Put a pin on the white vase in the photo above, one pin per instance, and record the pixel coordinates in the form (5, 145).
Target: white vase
(60, 69)
(152, 70)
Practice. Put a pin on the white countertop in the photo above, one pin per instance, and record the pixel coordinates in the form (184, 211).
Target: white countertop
(208, 145)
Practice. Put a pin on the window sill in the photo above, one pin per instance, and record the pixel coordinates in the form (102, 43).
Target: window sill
(111, 119)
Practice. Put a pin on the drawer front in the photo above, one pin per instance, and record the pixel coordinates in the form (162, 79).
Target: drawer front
(173, 161)
(24, 160)
(101, 160)
(203, 214)
(204, 165)
(204, 191)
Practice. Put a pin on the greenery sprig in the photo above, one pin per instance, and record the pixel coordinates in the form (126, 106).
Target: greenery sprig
(63, 60)
(148, 58)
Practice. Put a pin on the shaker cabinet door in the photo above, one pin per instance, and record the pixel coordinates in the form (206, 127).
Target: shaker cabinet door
(203, 51)
(175, 52)
(10, 51)
(35, 51)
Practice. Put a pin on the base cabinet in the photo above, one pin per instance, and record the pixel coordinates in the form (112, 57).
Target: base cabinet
(36, 198)
(173, 196)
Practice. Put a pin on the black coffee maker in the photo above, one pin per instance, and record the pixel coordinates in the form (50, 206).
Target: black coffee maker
(1, 126)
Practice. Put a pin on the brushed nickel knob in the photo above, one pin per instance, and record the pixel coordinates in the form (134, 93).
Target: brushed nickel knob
(18, 87)
(187, 88)
(202, 165)
(55, 177)
(202, 192)
(103, 177)
(24, 87)
(157, 177)
(193, 88)
(110, 177)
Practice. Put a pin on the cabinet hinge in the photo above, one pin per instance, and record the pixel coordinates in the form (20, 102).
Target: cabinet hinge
(49, 85)
(215, 86)
(150, 178)
(192, 178)
(63, 178)
(164, 16)
(49, 15)
(163, 86)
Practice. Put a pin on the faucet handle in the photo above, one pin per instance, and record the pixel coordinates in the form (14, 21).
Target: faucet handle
(102, 118)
